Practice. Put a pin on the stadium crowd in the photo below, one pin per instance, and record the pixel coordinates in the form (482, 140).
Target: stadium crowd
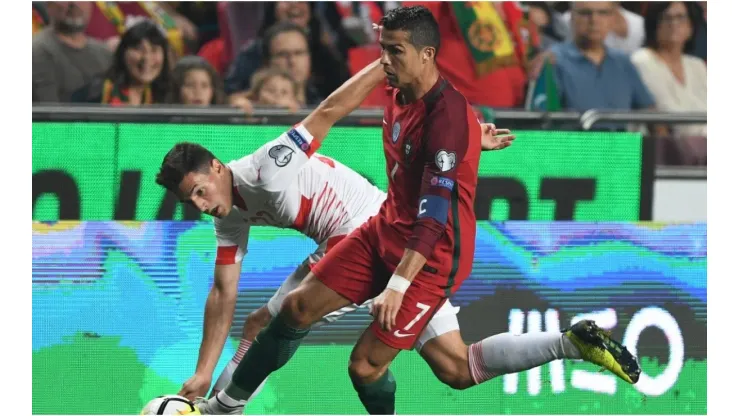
(545, 56)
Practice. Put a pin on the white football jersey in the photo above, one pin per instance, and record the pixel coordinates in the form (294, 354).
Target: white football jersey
(284, 184)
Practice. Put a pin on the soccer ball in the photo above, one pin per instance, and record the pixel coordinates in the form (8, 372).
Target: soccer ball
(170, 405)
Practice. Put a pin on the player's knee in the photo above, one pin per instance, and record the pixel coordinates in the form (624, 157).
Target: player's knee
(362, 371)
(295, 310)
(455, 374)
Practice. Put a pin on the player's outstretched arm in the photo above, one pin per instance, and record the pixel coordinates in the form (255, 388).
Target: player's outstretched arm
(343, 101)
(275, 165)
(219, 314)
(232, 235)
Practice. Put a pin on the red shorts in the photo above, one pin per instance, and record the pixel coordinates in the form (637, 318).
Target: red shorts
(355, 270)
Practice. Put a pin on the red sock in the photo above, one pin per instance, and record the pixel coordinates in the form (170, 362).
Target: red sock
(243, 347)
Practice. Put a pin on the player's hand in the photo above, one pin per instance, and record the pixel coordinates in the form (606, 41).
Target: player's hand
(495, 139)
(385, 307)
(196, 386)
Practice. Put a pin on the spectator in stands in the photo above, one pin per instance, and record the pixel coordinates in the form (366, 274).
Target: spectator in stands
(110, 19)
(286, 48)
(39, 16)
(328, 69)
(626, 29)
(273, 87)
(195, 82)
(140, 72)
(591, 75)
(64, 58)
(677, 80)
(552, 25)
(487, 50)
(699, 50)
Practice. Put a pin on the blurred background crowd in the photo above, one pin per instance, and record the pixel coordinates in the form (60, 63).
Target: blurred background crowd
(543, 56)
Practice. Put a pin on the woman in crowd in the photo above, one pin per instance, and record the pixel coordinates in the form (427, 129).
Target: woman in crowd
(677, 80)
(195, 82)
(140, 72)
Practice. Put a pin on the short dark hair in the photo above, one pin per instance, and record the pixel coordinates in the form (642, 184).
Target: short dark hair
(182, 159)
(653, 14)
(278, 29)
(418, 21)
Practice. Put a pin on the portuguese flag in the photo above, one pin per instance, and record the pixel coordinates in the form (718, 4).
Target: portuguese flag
(486, 35)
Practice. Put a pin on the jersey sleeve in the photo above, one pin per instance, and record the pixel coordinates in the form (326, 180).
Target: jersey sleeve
(446, 142)
(231, 238)
(275, 165)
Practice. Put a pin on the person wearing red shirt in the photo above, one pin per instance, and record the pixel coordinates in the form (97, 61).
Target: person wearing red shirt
(498, 30)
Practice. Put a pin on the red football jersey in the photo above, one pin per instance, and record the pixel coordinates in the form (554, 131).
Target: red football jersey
(432, 149)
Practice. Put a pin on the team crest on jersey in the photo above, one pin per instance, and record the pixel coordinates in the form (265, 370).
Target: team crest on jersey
(445, 160)
(281, 154)
(396, 131)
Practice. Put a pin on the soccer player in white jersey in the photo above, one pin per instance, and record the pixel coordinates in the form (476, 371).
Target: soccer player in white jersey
(283, 184)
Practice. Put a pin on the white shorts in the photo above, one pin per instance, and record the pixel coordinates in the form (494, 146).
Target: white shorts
(445, 320)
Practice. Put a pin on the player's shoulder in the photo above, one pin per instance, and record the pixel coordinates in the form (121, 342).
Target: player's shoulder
(247, 171)
(446, 102)
(242, 166)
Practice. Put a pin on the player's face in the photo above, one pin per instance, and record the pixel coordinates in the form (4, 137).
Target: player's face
(210, 191)
(401, 61)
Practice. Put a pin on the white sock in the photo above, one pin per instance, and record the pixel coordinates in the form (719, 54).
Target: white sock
(223, 404)
(508, 353)
(225, 378)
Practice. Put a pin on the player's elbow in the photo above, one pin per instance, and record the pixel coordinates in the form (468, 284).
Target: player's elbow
(225, 290)
(223, 293)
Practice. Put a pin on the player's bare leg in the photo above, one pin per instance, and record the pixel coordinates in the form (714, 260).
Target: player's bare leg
(275, 345)
(368, 369)
(447, 356)
(461, 366)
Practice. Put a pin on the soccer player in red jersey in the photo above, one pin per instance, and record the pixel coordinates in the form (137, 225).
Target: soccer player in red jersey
(415, 253)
